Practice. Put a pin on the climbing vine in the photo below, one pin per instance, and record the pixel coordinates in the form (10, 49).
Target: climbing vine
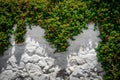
(19, 13)
(63, 19)
(107, 14)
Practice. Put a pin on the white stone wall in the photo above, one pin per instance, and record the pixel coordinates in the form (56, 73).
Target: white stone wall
(36, 64)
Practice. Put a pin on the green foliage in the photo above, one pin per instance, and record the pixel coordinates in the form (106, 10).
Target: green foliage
(18, 12)
(4, 43)
(107, 14)
(63, 19)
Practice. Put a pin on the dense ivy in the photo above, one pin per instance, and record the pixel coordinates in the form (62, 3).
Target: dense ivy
(63, 19)
(107, 14)
(19, 13)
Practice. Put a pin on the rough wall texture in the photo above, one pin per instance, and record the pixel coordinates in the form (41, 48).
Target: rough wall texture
(34, 59)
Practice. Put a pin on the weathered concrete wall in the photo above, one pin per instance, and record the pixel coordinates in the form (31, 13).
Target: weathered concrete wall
(34, 59)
